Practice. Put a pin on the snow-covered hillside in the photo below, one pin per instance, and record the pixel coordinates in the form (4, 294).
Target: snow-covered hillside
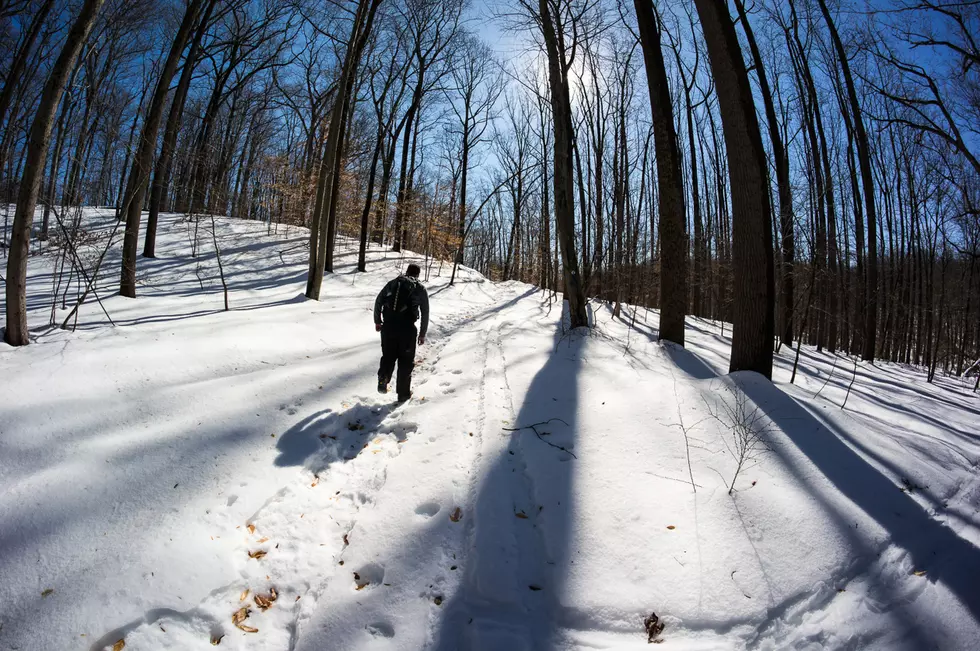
(193, 477)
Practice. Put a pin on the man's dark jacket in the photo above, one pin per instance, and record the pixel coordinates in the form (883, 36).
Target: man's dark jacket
(417, 302)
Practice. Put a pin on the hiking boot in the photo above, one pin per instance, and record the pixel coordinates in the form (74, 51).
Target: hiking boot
(406, 398)
(382, 386)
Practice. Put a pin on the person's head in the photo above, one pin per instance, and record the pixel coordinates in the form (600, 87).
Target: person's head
(413, 271)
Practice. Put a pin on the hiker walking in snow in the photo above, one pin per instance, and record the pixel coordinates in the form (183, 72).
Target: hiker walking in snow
(396, 310)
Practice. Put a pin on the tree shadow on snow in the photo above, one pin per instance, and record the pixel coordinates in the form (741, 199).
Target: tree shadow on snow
(520, 532)
(931, 545)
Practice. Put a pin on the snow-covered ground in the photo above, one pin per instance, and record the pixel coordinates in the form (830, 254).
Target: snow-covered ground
(171, 475)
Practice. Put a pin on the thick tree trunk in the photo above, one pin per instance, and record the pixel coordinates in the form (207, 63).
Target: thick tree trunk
(673, 221)
(752, 255)
(16, 333)
(783, 185)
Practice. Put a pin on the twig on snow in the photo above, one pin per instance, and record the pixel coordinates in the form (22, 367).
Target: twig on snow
(853, 377)
(829, 377)
(534, 428)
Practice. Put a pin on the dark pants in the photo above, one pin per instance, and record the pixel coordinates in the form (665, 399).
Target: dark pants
(398, 345)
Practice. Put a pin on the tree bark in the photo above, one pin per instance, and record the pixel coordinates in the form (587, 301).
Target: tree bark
(16, 333)
(561, 109)
(868, 187)
(326, 195)
(673, 221)
(783, 185)
(752, 254)
(143, 161)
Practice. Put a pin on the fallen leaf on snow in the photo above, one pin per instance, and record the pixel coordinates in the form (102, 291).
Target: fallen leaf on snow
(437, 601)
(265, 601)
(244, 594)
(257, 554)
(456, 515)
(47, 592)
(216, 639)
(671, 527)
(251, 528)
(919, 573)
(119, 645)
(522, 515)
(262, 540)
(239, 617)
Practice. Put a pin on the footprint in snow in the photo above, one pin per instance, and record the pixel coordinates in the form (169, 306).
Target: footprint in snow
(370, 575)
(381, 629)
(427, 509)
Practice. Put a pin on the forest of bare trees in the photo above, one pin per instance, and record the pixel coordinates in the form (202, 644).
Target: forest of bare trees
(805, 170)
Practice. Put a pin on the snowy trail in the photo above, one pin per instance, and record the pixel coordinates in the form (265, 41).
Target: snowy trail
(303, 545)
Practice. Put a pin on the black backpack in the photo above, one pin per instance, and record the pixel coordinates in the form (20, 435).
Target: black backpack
(397, 300)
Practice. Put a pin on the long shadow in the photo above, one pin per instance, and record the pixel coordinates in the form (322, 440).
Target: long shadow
(933, 547)
(520, 534)
(335, 436)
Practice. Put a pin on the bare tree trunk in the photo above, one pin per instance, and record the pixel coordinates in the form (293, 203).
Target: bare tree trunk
(868, 186)
(673, 221)
(366, 213)
(561, 108)
(161, 175)
(16, 333)
(752, 255)
(143, 160)
(326, 195)
(784, 188)
(20, 61)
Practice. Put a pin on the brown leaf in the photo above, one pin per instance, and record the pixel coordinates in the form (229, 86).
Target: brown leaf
(456, 515)
(119, 645)
(265, 601)
(251, 528)
(262, 540)
(47, 592)
(244, 594)
(522, 515)
(671, 527)
(257, 554)
(216, 639)
(240, 616)
(919, 573)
